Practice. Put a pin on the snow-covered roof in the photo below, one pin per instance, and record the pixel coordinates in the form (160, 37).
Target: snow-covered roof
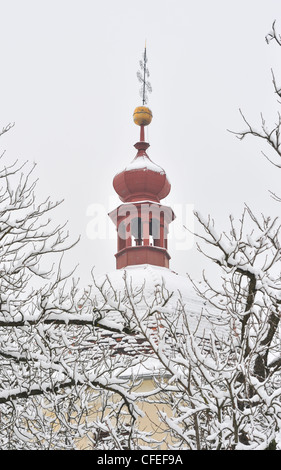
(153, 278)
(144, 281)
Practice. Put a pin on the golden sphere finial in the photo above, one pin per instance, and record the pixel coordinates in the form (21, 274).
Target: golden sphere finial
(142, 116)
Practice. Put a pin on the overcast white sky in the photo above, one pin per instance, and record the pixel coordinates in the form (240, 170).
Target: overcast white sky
(68, 81)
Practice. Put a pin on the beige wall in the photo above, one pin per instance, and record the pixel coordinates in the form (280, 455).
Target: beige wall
(150, 422)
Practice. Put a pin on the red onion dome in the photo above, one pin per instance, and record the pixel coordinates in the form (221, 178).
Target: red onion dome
(142, 179)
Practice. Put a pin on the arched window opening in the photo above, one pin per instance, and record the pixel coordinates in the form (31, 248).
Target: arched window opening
(137, 231)
(154, 231)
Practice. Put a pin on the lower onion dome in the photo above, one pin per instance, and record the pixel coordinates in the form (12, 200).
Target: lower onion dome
(142, 180)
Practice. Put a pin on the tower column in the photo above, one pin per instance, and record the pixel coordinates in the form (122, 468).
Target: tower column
(145, 227)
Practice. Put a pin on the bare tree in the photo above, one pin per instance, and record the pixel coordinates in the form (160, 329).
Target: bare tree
(219, 374)
(53, 390)
(268, 134)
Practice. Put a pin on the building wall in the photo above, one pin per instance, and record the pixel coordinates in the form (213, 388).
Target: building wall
(149, 423)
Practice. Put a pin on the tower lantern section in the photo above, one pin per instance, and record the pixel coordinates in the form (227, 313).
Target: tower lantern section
(141, 221)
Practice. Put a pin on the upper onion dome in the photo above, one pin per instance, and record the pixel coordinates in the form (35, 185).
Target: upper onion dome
(142, 179)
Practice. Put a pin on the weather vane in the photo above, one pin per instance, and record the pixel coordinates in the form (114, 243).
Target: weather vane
(142, 76)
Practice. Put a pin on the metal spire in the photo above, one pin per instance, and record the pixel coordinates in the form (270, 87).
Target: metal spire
(142, 76)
